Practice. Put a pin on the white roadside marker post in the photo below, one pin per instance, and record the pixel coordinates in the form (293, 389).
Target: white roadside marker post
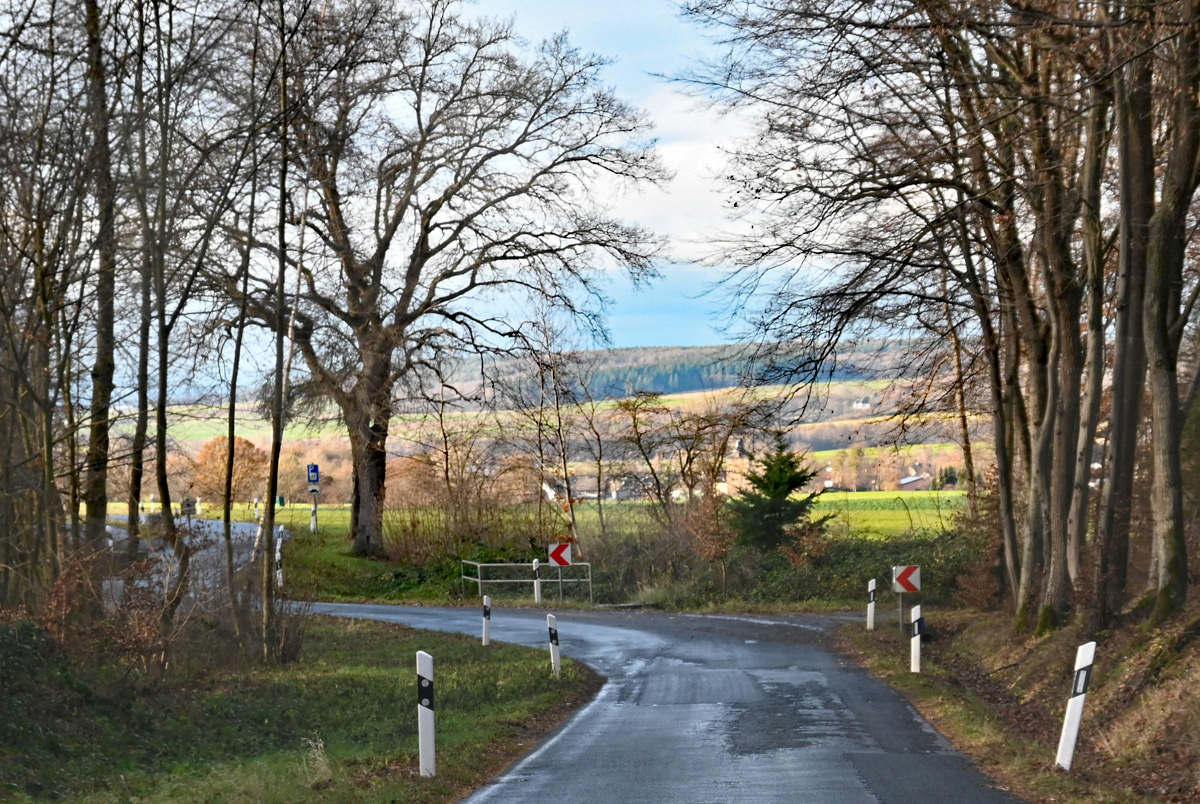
(918, 626)
(487, 619)
(537, 581)
(555, 658)
(425, 702)
(1084, 659)
(871, 605)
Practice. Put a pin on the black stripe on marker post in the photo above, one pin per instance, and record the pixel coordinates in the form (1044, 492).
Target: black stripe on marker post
(425, 692)
(871, 596)
(487, 612)
(553, 636)
(1082, 676)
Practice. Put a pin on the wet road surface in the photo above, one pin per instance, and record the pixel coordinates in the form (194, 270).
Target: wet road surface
(703, 709)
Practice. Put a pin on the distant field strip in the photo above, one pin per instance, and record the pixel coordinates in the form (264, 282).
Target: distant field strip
(884, 514)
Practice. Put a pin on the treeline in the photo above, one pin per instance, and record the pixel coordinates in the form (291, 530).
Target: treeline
(687, 369)
(1012, 186)
(678, 376)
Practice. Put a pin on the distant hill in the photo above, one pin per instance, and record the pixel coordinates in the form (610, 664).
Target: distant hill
(686, 369)
(666, 370)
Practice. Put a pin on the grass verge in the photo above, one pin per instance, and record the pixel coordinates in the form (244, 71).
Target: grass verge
(1010, 733)
(337, 726)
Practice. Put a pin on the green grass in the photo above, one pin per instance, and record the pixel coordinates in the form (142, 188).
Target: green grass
(889, 514)
(337, 726)
(320, 566)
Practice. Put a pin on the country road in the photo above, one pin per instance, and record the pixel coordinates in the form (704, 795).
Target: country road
(707, 709)
(206, 584)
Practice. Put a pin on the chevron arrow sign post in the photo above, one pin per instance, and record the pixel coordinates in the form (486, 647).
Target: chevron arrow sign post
(560, 554)
(906, 579)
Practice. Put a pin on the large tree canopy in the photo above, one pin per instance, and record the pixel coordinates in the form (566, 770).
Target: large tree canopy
(443, 172)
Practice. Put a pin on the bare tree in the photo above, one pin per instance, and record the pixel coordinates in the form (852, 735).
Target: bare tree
(905, 140)
(45, 257)
(104, 367)
(447, 168)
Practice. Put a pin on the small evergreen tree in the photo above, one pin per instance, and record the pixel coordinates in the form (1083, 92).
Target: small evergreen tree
(761, 514)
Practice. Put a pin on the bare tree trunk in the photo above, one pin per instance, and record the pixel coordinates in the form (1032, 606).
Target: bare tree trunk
(1002, 428)
(268, 571)
(74, 470)
(1166, 252)
(591, 416)
(1077, 521)
(1135, 150)
(1056, 582)
(137, 468)
(1165, 257)
(1193, 392)
(1098, 137)
(1023, 430)
(244, 272)
(368, 449)
(231, 430)
(162, 60)
(104, 368)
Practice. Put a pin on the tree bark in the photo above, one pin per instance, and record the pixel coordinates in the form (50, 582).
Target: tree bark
(267, 590)
(104, 368)
(368, 450)
(137, 469)
(1135, 151)
(1098, 138)
(1165, 255)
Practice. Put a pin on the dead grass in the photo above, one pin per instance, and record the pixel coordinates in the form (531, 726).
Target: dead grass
(1000, 698)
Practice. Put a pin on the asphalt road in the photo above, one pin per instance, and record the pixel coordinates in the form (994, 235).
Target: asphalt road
(702, 709)
(206, 584)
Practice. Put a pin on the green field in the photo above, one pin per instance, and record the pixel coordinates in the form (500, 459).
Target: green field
(888, 514)
(870, 514)
(873, 514)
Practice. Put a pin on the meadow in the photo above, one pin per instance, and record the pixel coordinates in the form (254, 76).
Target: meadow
(883, 515)
(632, 559)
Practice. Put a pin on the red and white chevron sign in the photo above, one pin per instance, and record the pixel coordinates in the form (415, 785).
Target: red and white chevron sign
(906, 579)
(560, 554)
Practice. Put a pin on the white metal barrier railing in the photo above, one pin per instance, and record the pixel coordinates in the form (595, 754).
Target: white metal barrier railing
(479, 580)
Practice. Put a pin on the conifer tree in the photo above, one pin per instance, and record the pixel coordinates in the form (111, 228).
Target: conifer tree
(762, 514)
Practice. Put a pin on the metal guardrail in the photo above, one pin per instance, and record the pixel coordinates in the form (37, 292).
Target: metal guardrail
(479, 580)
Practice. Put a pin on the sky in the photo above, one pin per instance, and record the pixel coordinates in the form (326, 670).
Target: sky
(647, 41)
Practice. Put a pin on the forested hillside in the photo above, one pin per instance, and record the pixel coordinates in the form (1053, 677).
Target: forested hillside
(684, 369)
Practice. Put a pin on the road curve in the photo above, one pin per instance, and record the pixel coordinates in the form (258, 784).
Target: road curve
(705, 709)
